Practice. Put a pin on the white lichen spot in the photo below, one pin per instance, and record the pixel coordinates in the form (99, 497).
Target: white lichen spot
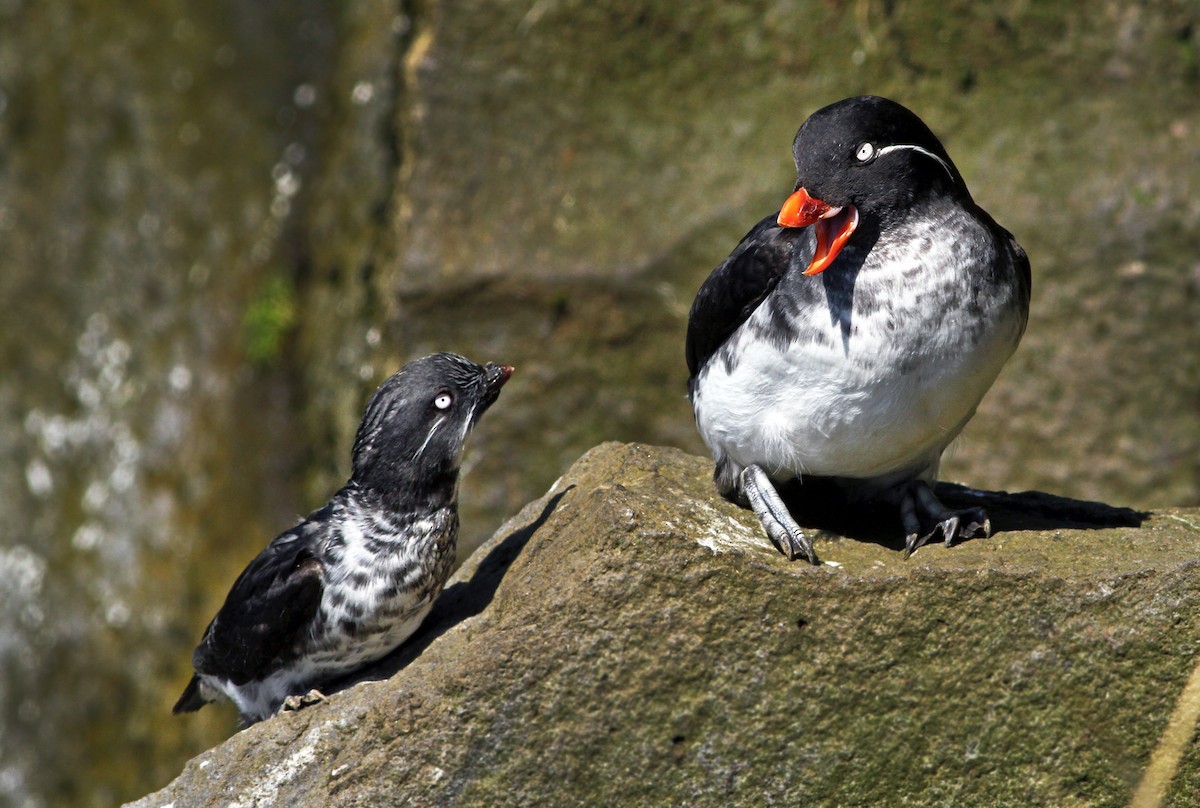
(117, 614)
(180, 379)
(724, 534)
(287, 182)
(1190, 524)
(305, 96)
(22, 572)
(88, 536)
(266, 792)
(95, 496)
(362, 93)
(38, 478)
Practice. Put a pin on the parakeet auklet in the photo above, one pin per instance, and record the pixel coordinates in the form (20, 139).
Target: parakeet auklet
(356, 578)
(852, 335)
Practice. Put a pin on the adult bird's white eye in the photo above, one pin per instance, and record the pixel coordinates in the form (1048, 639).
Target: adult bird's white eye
(443, 401)
(865, 152)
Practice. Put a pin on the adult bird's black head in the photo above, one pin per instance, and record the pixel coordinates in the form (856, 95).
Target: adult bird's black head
(861, 163)
(412, 433)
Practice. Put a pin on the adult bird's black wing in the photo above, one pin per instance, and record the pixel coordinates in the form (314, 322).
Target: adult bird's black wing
(1021, 263)
(738, 285)
(271, 604)
(1007, 243)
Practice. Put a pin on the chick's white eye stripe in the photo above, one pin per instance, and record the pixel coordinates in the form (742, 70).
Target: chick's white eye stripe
(925, 152)
(428, 437)
(470, 422)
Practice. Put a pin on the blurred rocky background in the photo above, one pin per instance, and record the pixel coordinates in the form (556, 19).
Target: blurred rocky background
(222, 224)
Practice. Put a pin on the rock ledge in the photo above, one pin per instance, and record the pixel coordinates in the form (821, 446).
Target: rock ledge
(631, 638)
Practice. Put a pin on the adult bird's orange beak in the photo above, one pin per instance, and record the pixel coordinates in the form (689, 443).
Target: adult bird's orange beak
(834, 226)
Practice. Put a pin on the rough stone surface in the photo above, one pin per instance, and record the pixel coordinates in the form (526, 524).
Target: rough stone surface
(630, 638)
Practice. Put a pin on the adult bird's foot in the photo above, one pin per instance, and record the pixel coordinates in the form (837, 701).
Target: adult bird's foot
(299, 702)
(924, 517)
(781, 528)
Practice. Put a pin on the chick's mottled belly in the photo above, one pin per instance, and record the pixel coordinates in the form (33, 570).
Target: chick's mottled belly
(375, 600)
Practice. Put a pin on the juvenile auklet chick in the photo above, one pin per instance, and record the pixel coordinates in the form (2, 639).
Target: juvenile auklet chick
(852, 335)
(356, 578)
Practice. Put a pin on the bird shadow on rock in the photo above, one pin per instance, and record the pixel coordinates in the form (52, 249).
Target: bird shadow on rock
(457, 603)
(819, 505)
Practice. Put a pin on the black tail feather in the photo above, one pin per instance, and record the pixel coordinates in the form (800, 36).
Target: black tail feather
(191, 700)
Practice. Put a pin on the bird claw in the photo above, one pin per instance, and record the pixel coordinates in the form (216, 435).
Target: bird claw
(791, 544)
(919, 509)
(299, 702)
(781, 528)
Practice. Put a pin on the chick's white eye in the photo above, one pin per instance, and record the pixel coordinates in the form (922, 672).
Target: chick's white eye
(443, 401)
(865, 152)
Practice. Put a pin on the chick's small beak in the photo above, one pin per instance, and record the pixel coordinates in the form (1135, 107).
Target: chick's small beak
(834, 225)
(494, 377)
(497, 375)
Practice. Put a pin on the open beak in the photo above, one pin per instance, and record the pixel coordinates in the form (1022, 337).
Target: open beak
(834, 226)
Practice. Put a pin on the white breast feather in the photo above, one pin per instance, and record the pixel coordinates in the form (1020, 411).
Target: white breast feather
(843, 409)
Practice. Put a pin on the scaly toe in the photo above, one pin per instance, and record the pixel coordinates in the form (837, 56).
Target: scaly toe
(299, 702)
(778, 523)
(968, 524)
